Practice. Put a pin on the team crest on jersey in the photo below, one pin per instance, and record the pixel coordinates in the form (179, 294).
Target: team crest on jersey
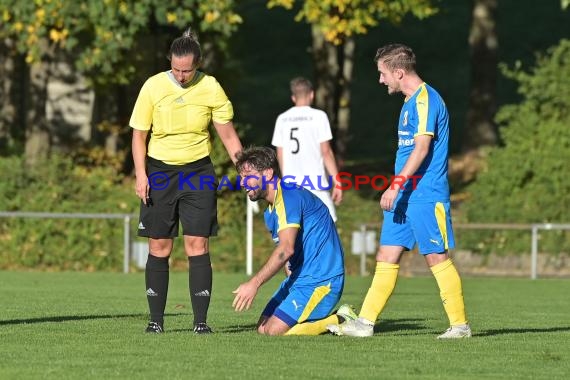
(405, 121)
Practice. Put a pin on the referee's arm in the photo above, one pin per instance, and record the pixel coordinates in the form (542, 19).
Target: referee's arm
(139, 156)
(229, 138)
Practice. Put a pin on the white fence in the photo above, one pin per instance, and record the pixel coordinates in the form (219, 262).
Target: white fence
(363, 246)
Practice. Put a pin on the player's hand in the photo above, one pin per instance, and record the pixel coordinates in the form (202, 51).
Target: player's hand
(245, 293)
(287, 270)
(336, 195)
(388, 198)
(141, 187)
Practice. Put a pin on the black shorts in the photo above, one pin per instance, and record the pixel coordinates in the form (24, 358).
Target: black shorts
(183, 194)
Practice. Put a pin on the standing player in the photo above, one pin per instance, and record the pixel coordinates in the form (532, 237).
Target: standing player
(177, 107)
(302, 136)
(307, 240)
(414, 215)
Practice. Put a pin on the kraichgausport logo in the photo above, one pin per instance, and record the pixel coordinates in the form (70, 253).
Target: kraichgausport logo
(344, 181)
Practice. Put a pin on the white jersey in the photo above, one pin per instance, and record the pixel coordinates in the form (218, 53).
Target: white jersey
(300, 132)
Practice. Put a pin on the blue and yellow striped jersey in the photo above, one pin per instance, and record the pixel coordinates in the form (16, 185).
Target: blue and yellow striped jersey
(318, 251)
(425, 113)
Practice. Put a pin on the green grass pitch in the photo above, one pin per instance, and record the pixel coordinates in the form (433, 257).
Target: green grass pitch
(90, 326)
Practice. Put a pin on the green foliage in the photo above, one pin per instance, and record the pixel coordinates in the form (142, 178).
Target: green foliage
(61, 186)
(102, 34)
(339, 19)
(527, 180)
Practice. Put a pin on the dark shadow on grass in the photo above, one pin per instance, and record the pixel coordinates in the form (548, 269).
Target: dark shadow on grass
(493, 332)
(225, 330)
(68, 318)
(252, 327)
(387, 325)
(391, 325)
(404, 327)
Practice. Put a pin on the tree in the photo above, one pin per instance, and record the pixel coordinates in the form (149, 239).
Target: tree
(526, 180)
(480, 129)
(334, 24)
(9, 136)
(98, 36)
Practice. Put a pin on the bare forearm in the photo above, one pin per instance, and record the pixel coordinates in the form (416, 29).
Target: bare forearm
(330, 165)
(139, 150)
(329, 160)
(274, 264)
(413, 164)
(417, 157)
(229, 138)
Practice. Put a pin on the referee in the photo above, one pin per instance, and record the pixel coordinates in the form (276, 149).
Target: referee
(176, 107)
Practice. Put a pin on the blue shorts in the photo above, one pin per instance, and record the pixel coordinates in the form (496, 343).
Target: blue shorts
(295, 302)
(427, 224)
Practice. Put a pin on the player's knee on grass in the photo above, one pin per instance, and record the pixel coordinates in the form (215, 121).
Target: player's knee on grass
(268, 331)
(273, 326)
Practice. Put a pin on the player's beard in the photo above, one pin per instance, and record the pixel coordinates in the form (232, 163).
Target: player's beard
(393, 89)
(255, 195)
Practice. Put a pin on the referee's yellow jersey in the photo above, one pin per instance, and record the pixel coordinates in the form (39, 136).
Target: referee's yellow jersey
(180, 117)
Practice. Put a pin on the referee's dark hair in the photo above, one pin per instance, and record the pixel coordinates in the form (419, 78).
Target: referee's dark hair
(260, 158)
(187, 44)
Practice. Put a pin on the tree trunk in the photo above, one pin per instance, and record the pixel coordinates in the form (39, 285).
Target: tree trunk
(333, 76)
(7, 109)
(325, 59)
(12, 110)
(38, 136)
(344, 82)
(480, 129)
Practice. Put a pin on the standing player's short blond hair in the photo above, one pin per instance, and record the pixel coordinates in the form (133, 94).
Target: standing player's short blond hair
(396, 56)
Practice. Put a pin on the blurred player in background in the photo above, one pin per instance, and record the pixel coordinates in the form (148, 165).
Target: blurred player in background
(302, 137)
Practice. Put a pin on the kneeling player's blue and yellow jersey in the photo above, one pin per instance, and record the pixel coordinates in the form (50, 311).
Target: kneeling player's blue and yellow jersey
(317, 265)
(318, 252)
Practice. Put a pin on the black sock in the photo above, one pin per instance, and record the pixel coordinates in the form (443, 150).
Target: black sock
(156, 279)
(200, 284)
